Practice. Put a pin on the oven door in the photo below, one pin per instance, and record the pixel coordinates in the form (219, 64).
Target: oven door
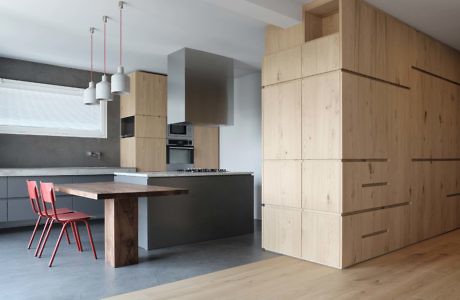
(182, 156)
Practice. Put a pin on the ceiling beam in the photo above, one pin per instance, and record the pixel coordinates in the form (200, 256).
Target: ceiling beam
(284, 13)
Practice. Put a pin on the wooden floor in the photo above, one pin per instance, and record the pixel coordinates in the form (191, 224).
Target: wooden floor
(427, 270)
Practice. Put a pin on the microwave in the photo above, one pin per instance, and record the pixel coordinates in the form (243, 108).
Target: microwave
(182, 131)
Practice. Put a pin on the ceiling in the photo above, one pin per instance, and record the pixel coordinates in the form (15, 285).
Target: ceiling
(57, 32)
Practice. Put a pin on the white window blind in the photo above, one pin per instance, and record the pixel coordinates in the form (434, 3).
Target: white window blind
(43, 109)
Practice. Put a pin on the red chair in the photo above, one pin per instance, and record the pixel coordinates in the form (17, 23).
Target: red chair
(34, 203)
(48, 196)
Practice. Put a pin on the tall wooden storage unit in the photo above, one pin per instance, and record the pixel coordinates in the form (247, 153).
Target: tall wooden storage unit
(361, 135)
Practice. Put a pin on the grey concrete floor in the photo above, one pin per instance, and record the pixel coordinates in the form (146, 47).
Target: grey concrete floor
(77, 275)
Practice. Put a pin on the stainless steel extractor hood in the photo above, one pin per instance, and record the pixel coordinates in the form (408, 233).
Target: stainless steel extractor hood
(200, 88)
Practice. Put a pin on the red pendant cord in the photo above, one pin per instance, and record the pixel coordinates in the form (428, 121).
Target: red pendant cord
(105, 54)
(121, 36)
(91, 56)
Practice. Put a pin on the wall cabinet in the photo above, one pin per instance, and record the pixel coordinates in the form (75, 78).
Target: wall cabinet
(146, 103)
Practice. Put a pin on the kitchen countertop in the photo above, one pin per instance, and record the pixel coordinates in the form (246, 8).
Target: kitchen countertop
(65, 171)
(180, 174)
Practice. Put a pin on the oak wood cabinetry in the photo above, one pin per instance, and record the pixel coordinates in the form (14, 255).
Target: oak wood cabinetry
(206, 143)
(145, 148)
(361, 140)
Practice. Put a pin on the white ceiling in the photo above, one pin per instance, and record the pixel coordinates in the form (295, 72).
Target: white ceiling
(57, 31)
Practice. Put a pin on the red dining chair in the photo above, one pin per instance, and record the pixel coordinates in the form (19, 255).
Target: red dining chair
(32, 190)
(48, 196)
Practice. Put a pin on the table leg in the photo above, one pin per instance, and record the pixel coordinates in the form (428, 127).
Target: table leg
(121, 229)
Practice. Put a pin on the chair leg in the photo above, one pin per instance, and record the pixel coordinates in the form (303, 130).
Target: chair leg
(57, 244)
(45, 227)
(46, 238)
(34, 232)
(72, 225)
(91, 239)
(78, 236)
(67, 236)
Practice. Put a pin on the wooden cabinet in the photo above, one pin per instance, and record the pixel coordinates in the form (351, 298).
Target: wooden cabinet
(278, 39)
(206, 142)
(148, 95)
(322, 238)
(321, 55)
(321, 116)
(322, 185)
(374, 43)
(371, 120)
(282, 182)
(435, 57)
(282, 66)
(281, 107)
(146, 104)
(281, 230)
(145, 154)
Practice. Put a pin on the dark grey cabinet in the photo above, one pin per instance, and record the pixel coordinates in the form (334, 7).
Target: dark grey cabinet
(3, 210)
(17, 185)
(15, 206)
(19, 209)
(3, 188)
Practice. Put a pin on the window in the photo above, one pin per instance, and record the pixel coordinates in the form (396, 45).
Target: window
(43, 109)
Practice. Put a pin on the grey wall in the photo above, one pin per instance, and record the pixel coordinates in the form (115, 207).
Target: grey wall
(240, 144)
(26, 151)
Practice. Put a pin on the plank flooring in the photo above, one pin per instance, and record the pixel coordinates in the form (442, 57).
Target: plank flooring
(427, 270)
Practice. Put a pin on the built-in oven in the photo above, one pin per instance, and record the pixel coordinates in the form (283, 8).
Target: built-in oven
(179, 154)
(182, 131)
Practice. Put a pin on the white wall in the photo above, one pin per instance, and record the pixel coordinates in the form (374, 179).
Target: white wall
(240, 144)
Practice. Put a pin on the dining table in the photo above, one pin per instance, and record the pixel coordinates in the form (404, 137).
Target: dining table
(120, 214)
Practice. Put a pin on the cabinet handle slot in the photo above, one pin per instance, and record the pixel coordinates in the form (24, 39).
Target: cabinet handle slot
(374, 184)
(374, 233)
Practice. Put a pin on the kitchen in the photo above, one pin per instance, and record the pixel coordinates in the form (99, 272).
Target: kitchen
(229, 150)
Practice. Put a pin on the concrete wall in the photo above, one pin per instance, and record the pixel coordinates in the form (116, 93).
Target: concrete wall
(240, 144)
(23, 151)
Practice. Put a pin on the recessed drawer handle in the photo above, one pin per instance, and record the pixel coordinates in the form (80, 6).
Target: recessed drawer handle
(374, 184)
(374, 233)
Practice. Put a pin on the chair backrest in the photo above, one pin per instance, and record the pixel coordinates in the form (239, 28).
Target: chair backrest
(48, 196)
(34, 197)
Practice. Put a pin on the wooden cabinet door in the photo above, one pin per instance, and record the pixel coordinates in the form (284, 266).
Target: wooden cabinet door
(150, 92)
(281, 183)
(281, 110)
(282, 66)
(206, 142)
(322, 116)
(281, 230)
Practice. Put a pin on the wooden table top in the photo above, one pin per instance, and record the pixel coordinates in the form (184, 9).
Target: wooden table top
(111, 190)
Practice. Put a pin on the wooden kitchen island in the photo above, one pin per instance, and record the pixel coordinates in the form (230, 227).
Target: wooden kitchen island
(121, 214)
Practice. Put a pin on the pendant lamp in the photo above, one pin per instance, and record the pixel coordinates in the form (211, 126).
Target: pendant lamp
(120, 81)
(89, 95)
(103, 86)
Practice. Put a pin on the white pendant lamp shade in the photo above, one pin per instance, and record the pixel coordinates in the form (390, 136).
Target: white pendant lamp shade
(103, 89)
(89, 95)
(120, 82)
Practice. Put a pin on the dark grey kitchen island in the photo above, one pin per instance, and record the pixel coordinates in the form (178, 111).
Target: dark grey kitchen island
(218, 205)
